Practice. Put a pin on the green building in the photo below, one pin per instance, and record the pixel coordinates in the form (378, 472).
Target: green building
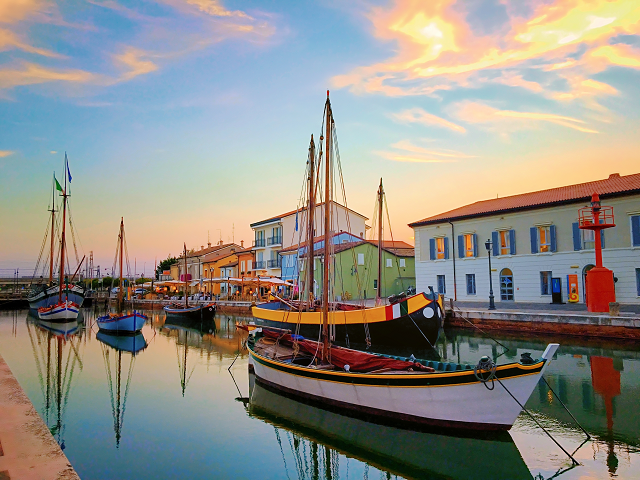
(355, 269)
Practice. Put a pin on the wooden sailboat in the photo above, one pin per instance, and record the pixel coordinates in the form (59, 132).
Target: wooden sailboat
(184, 312)
(120, 322)
(404, 390)
(46, 295)
(65, 308)
(399, 322)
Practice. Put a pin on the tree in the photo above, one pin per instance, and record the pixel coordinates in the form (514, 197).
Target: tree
(165, 265)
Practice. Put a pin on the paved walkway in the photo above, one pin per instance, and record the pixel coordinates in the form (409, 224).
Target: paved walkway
(525, 307)
(27, 449)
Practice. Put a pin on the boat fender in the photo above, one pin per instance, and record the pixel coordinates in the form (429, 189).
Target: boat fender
(347, 368)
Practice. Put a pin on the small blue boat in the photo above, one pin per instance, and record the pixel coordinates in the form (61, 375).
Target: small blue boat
(130, 343)
(124, 323)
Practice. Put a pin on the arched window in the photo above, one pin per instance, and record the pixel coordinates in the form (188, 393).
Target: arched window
(506, 284)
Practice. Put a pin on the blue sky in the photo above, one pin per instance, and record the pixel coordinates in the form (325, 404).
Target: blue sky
(190, 117)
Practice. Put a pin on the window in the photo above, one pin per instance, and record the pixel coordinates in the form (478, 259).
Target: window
(544, 239)
(242, 264)
(249, 262)
(635, 230)
(389, 263)
(442, 286)
(588, 239)
(545, 283)
(471, 284)
(505, 242)
(361, 259)
(440, 250)
(403, 262)
(375, 284)
(468, 245)
(638, 280)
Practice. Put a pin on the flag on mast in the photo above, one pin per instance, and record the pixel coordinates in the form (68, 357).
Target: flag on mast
(58, 187)
(66, 161)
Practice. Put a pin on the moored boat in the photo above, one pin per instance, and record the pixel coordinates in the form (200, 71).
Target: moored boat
(61, 311)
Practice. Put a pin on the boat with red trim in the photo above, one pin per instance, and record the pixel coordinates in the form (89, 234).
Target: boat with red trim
(62, 312)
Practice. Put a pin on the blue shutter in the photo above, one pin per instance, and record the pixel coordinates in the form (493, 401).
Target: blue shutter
(635, 230)
(512, 241)
(554, 243)
(577, 244)
(534, 239)
(495, 239)
(602, 238)
(446, 248)
(432, 248)
(475, 244)
(461, 251)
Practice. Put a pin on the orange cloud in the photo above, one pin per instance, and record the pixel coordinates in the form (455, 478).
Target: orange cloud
(215, 8)
(416, 154)
(13, 11)
(9, 40)
(620, 55)
(6, 153)
(476, 112)
(33, 74)
(408, 146)
(132, 58)
(418, 115)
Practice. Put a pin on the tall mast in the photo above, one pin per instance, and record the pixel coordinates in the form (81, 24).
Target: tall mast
(64, 222)
(380, 200)
(186, 296)
(53, 216)
(327, 231)
(311, 213)
(120, 290)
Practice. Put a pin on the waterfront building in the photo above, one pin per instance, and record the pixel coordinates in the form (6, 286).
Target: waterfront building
(195, 263)
(282, 231)
(534, 239)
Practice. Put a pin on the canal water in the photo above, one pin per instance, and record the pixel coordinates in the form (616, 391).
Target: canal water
(165, 404)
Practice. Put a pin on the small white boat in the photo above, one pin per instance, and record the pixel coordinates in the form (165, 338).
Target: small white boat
(123, 323)
(61, 311)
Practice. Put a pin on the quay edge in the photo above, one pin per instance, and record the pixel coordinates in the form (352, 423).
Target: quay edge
(28, 450)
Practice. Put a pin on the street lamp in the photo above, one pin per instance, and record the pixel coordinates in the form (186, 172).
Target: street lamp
(492, 304)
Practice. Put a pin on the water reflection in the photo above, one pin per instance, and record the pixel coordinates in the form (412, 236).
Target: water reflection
(310, 430)
(56, 351)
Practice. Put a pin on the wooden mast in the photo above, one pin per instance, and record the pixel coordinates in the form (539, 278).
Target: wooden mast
(186, 296)
(62, 236)
(53, 215)
(380, 200)
(121, 287)
(311, 213)
(327, 231)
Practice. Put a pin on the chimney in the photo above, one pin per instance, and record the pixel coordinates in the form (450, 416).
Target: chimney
(201, 247)
(614, 175)
(242, 243)
(209, 244)
(220, 242)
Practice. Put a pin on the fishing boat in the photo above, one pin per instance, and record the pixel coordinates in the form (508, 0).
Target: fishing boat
(133, 345)
(65, 308)
(48, 294)
(125, 323)
(406, 453)
(481, 397)
(195, 312)
(412, 319)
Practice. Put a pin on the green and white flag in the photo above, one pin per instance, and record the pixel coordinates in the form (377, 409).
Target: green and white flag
(58, 187)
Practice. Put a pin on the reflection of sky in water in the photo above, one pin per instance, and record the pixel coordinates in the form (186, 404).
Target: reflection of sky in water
(207, 433)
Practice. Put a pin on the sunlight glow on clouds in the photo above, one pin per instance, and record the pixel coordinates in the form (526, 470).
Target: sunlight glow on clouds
(409, 152)
(6, 153)
(418, 115)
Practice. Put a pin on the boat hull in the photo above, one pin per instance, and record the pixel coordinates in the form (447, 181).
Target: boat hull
(61, 312)
(200, 312)
(392, 325)
(443, 399)
(125, 343)
(128, 323)
(50, 295)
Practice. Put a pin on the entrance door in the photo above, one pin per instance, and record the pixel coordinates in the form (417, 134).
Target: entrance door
(584, 280)
(506, 284)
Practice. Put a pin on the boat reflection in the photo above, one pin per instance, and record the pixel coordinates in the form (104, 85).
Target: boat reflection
(132, 345)
(397, 451)
(56, 349)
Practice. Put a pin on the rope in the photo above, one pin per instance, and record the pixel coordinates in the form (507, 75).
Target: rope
(485, 372)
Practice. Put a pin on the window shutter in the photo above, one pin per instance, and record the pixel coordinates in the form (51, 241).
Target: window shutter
(512, 241)
(461, 248)
(475, 244)
(534, 239)
(495, 239)
(635, 230)
(432, 248)
(446, 248)
(577, 244)
(552, 232)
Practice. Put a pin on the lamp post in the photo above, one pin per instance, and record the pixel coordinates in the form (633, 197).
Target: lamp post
(492, 304)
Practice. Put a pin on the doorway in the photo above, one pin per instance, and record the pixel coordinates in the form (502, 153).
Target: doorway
(584, 281)
(506, 284)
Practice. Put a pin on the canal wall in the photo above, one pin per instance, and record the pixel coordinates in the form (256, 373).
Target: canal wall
(223, 306)
(27, 448)
(580, 324)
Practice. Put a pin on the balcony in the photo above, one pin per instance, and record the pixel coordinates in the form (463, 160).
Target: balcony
(258, 243)
(274, 263)
(274, 240)
(259, 265)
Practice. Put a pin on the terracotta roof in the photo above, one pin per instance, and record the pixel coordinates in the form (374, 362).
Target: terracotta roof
(208, 250)
(214, 257)
(399, 249)
(615, 185)
(278, 217)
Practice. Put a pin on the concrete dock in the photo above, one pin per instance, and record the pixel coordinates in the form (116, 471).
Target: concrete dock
(27, 448)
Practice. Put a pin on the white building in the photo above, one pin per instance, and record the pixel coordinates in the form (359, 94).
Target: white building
(283, 231)
(535, 237)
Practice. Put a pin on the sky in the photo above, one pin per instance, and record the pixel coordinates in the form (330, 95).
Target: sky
(191, 118)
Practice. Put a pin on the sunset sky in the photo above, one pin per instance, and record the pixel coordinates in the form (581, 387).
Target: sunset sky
(192, 117)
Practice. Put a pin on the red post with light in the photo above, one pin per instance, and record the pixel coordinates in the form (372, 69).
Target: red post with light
(599, 285)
